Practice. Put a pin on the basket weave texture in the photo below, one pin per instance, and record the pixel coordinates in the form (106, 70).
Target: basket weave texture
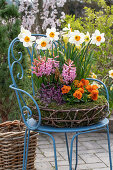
(12, 146)
(73, 117)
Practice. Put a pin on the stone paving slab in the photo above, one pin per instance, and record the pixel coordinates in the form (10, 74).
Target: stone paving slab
(92, 152)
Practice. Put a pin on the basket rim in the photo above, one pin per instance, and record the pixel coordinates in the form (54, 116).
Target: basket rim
(8, 123)
(72, 109)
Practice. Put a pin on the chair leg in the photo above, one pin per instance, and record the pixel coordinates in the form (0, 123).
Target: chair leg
(67, 145)
(109, 148)
(76, 152)
(26, 145)
(54, 147)
(71, 151)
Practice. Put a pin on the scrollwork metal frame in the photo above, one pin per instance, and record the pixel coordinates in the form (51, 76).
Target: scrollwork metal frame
(47, 130)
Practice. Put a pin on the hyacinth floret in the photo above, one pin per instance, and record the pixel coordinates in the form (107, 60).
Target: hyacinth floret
(69, 72)
(51, 93)
(44, 66)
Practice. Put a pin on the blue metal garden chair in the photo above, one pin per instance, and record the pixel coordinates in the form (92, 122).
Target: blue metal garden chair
(36, 126)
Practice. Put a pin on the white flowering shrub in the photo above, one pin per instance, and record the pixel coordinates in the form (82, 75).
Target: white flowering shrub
(39, 15)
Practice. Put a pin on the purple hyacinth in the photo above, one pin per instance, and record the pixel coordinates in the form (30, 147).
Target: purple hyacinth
(51, 93)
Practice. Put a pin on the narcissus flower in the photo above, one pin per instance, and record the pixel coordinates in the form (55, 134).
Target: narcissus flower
(26, 38)
(52, 34)
(111, 73)
(94, 76)
(67, 28)
(77, 94)
(43, 43)
(23, 31)
(65, 89)
(65, 38)
(76, 38)
(87, 38)
(97, 38)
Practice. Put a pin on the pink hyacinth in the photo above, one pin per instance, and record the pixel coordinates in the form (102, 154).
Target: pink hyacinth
(69, 72)
(44, 67)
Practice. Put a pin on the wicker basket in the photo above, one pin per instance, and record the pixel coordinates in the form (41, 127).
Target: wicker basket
(12, 146)
(73, 117)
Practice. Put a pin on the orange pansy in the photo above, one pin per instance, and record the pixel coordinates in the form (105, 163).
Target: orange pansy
(94, 94)
(76, 82)
(77, 94)
(85, 82)
(81, 90)
(65, 89)
(94, 87)
(89, 88)
(80, 85)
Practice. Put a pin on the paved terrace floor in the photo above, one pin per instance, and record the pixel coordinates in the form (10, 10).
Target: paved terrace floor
(93, 152)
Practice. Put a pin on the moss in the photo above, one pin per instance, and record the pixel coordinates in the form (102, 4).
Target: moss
(66, 115)
(101, 101)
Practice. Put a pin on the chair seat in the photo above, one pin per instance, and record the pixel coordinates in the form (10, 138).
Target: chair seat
(77, 129)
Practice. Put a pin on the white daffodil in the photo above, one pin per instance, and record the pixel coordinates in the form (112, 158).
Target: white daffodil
(76, 38)
(65, 38)
(26, 38)
(94, 76)
(23, 31)
(67, 28)
(97, 38)
(111, 73)
(43, 43)
(87, 38)
(95, 83)
(52, 34)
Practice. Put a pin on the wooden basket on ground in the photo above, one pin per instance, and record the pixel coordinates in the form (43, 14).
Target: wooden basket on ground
(12, 146)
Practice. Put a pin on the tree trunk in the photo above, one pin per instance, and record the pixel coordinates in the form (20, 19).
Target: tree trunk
(38, 20)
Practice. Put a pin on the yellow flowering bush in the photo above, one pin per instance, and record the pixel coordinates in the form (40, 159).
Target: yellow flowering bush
(103, 21)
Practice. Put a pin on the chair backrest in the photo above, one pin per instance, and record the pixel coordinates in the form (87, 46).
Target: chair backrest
(16, 59)
(12, 60)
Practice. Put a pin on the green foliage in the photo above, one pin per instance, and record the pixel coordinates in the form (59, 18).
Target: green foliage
(103, 21)
(81, 59)
(109, 83)
(9, 29)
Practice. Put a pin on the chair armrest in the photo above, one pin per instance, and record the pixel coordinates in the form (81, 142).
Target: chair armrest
(107, 94)
(33, 125)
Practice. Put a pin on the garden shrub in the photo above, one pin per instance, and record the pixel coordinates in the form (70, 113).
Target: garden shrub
(9, 29)
(103, 21)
